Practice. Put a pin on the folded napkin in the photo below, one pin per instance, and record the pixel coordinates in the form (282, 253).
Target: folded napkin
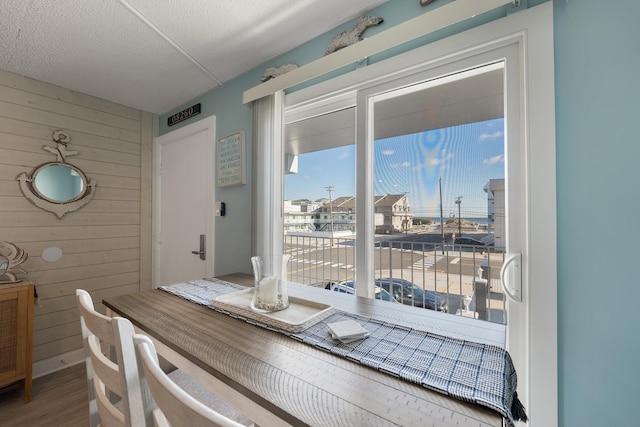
(347, 331)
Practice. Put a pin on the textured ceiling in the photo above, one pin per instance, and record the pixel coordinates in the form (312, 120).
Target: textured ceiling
(156, 54)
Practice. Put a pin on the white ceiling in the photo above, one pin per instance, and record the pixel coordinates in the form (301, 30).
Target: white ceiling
(156, 54)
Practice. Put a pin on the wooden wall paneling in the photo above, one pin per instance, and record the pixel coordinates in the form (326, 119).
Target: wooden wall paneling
(73, 260)
(29, 85)
(48, 320)
(45, 103)
(56, 332)
(47, 219)
(60, 346)
(117, 194)
(14, 202)
(105, 206)
(18, 203)
(52, 291)
(29, 234)
(11, 128)
(55, 305)
(63, 344)
(94, 286)
(67, 275)
(90, 154)
(80, 246)
(106, 245)
(61, 121)
(149, 131)
(10, 141)
(99, 167)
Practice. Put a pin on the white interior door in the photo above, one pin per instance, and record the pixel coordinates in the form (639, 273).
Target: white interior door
(184, 195)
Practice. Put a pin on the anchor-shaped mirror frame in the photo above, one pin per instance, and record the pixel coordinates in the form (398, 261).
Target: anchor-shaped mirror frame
(58, 207)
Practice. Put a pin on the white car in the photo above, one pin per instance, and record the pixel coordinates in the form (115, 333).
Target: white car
(348, 287)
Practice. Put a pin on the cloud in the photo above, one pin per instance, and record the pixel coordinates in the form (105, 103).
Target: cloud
(435, 161)
(388, 152)
(404, 164)
(344, 155)
(494, 160)
(491, 136)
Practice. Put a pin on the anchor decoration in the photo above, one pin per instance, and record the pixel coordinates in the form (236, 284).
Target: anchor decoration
(58, 187)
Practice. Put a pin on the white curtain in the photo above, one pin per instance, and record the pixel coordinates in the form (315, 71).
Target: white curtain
(267, 175)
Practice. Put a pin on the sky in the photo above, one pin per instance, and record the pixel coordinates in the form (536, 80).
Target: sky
(465, 157)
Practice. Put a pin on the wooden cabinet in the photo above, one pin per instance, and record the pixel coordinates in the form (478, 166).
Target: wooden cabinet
(16, 334)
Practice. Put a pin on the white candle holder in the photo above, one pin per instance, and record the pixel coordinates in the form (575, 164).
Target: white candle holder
(270, 279)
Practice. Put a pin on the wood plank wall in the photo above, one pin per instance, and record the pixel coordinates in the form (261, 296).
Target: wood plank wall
(106, 245)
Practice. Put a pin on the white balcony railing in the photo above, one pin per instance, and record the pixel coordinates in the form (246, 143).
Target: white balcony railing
(457, 273)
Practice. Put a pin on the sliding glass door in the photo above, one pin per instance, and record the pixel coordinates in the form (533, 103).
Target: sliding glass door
(428, 184)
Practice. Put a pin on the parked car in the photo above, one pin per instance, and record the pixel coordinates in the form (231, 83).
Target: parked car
(468, 241)
(348, 287)
(411, 294)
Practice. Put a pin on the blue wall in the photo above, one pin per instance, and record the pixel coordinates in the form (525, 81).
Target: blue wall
(597, 64)
(598, 152)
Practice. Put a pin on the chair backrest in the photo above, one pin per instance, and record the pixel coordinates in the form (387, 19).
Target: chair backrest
(115, 397)
(174, 405)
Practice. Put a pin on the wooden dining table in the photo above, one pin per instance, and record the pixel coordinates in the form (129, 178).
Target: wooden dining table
(279, 381)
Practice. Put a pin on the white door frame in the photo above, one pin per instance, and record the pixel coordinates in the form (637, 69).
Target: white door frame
(531, 31)
(208, 125)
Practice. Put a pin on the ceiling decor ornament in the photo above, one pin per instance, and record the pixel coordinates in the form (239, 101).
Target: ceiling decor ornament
(273, 72)
(354, 35)
(58, 187)
(11, 257)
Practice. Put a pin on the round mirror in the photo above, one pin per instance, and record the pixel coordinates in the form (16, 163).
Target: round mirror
(59, 182)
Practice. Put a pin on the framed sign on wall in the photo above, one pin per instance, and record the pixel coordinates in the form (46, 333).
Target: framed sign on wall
(230, 153)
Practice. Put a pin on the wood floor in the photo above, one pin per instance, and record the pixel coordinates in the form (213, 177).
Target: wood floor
(59, 399)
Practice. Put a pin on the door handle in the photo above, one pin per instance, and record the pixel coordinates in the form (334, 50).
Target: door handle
(202, 251)
(513, 288)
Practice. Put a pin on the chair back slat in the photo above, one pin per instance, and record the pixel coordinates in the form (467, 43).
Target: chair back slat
(98, 324)
(105, 369)
(177, 406)
(112, 368)
(110, 414)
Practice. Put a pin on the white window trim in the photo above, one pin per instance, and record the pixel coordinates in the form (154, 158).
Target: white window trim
(532, 32)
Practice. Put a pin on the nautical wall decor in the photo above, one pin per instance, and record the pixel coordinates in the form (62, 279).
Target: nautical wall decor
(347, 38)
(11, 257)
(273, 72)
(58, 187)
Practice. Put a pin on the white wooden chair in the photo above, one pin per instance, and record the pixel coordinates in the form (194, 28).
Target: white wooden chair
(115, 397)
(175, 407)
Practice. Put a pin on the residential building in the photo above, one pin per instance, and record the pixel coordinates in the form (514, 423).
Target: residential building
(496, 210)
(396, 211)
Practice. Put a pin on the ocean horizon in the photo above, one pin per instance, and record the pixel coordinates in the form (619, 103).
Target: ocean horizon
(481, 221)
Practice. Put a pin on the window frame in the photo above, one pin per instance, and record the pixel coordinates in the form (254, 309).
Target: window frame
(531, 32)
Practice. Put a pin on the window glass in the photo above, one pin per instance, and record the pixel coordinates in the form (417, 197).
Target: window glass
(319, 199)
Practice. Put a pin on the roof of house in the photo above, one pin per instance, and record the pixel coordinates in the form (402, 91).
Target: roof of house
(345, 203)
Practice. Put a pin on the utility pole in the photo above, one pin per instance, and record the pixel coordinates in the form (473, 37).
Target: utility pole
(330, 189)
(406, 216)
(441, 216)
(459, 202)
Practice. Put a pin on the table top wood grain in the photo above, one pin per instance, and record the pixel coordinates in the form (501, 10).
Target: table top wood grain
(299, 384)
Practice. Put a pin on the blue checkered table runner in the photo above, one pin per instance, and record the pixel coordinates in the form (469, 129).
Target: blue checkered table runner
(478, 373)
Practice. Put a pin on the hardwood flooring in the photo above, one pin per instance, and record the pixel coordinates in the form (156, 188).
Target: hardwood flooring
(59, 399)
